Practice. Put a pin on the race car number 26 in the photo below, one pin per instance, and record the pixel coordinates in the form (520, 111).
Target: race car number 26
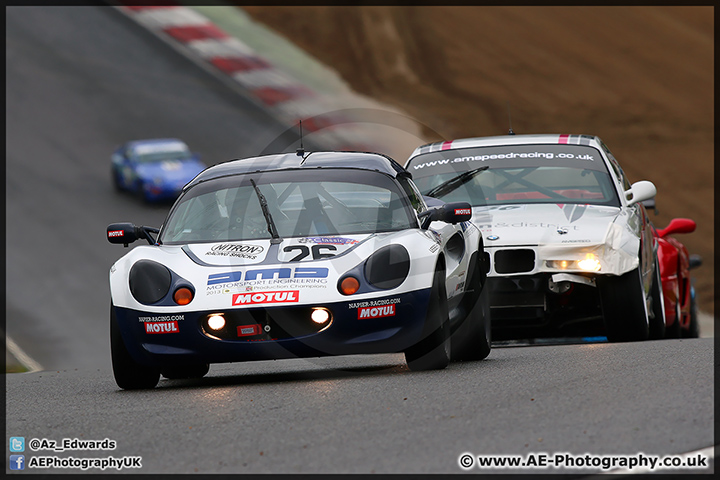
(305, 251)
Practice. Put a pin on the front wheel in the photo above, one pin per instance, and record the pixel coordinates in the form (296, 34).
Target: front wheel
(471, 340)
(657, 314)
(433, 351)
(623, 305)
(129, 374)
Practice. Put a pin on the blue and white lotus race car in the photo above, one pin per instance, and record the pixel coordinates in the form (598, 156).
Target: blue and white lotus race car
(572, 251)
(298, 255)
(155, 170)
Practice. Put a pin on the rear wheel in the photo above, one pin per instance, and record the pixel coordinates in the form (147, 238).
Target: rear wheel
(129, 374)
(433, 351)
(188, 371)
(471, 340)
(624, 309)
(657, 312)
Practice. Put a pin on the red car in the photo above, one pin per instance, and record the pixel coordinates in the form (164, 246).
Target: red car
(675, 265)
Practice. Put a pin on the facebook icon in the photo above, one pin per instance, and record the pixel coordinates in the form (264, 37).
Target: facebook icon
(17, 462)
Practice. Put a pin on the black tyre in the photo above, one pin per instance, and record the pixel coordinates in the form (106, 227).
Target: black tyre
(433, 351)
(188, 371)
(129, 374)
(694, 329)
(623, 305)
(471, 340)
(657, 311)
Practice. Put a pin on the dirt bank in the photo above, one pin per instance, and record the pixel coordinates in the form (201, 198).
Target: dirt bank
(639, 77)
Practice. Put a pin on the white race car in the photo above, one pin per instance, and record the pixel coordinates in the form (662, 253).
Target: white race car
(298, 255)
(570, 243)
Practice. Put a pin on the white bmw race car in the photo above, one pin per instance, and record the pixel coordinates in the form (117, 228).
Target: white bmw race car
(569, 241)
(298, 255)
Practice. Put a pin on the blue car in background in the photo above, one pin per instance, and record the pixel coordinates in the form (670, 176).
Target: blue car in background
(155, 170)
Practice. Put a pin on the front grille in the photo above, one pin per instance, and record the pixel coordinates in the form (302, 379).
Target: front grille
(514, 261)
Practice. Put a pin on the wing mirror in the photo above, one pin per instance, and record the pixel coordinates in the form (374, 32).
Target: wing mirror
(640, 191)
(677, 225)
(454, 212)
(127, 233)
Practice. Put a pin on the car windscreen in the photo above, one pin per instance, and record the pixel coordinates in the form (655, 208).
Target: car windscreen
(516, 174)
(156, 152)
(300, 203)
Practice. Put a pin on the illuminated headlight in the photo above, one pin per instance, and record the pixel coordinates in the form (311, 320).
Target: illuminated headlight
(590, 263)
(320, 315)
(216, 322)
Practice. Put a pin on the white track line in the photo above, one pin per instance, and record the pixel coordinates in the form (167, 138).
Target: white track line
(21, 356)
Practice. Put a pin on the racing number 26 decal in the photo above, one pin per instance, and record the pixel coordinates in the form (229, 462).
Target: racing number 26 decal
(305, 251)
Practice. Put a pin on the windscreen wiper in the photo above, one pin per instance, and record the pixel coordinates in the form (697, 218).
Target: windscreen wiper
(266, 213)
(450, 185)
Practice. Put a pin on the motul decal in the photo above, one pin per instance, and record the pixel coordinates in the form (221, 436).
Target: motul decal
(463, 211)
(376, 312)
(116, 233)
(286, 296)
(247, 330)
(161, 327)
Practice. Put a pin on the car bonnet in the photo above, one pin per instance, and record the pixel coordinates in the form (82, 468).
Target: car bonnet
(542, 224)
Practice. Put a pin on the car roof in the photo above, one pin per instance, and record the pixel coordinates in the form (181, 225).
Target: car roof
(311, 160)
(590, 140)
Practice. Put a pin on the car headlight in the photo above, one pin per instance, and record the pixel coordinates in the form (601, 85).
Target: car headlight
(590, 263)
(149, 281)
(388, 267)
